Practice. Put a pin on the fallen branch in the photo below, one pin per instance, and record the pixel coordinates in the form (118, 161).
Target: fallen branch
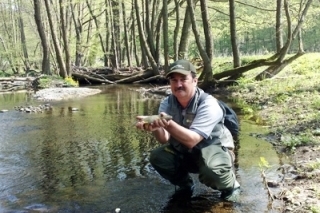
(84, 76)
(266, 185)
(158, 78)
(16, 79)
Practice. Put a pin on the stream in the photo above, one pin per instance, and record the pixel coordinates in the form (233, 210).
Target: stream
(95, 160)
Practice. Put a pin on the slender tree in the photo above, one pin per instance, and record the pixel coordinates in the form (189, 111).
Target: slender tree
(115, 43)
(205, 53)
(25, 57)
(165, 34)
(185, 32)
(280, 61)
(279, 40)
(126, 37)
(233, 34)
(96, 22)
(143, 40)
(56, 43)
(76, 15)
(43, 37)
(64, 32)
(176, 31)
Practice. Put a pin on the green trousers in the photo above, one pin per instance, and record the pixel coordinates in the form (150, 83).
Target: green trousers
(213, 164)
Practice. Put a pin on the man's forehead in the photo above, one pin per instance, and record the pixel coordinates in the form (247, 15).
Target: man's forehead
(178, 75)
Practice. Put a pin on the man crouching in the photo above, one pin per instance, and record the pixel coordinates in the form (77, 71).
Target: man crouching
(195, 139)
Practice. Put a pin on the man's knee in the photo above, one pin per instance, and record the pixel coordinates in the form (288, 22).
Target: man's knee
(216, 157)
(162, 156)
(216, 170)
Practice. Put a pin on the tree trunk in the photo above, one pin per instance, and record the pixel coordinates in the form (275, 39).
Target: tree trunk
(115, 43)
(206, 74)
(23, 40)
(108, 27)
(78, 31)
(44, 42)
(273, 70)
(144, 44)
(94, 17)
(126, 37)
(233, 34)
(207, 31)
(279, 39)
(165, 33)
(60, 60)
(176, 31)
(148, 29)
(158, 37)
(64, 31)
(185, 32)
(291, 34)
(133, 35)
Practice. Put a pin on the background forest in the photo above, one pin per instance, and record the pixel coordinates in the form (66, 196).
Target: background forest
(52, 36)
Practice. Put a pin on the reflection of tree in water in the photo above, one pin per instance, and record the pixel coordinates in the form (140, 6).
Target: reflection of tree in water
(99, 144)
(67, 158)
(128, 146)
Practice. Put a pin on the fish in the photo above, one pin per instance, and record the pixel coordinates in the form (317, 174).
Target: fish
(149, 119)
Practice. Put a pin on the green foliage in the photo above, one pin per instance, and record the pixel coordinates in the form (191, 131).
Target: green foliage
(289, 103)
(247, 59)
(70, 82)
(280, 98)
(255, 31)
(221, 64)
(5, 74)
(306, 65)
(263, 164)
(94, 51)
(315, 209)
(299, 140)
(315, 164)
(245, 82)
(315, 104)
(46, 81)
(53, 81)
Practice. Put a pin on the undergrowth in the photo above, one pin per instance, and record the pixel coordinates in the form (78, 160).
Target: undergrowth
(288, 103)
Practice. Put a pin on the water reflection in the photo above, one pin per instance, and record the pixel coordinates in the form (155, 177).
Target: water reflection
(94, 160)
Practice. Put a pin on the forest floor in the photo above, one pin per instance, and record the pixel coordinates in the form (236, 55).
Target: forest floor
(288, 106)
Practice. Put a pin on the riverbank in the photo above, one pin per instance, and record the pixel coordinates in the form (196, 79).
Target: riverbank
(288, 106)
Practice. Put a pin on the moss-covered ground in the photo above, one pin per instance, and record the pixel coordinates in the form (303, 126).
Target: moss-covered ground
(288, 105)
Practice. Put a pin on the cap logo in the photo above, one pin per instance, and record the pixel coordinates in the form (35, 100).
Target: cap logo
(178, 66)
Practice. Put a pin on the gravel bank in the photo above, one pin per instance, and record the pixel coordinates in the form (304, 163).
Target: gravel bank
(58, 94)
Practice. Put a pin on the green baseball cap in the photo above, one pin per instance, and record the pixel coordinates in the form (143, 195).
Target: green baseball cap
(182, 66)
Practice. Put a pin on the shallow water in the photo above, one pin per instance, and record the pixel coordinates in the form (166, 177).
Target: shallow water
(94, 160)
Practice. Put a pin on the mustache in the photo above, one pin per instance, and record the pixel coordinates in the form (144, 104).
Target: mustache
(180, 88)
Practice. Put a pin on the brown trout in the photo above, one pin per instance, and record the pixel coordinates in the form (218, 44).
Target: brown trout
(148, 119)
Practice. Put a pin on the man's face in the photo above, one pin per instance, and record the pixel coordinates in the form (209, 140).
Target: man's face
(182, 86)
